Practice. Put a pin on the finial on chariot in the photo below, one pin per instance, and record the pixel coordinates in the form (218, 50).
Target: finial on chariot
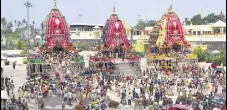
(171, 6)
(55, 6)
(114, 10)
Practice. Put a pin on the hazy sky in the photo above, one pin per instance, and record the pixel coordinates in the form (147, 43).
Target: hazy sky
(97, 11)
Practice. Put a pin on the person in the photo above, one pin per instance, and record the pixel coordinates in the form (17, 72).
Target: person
(157, 96)
(1, 71)
(19, 103)
(70, 97)
(11, 107)
(23, 105)
(42, 105)
(13, 100)
(14, 65)
(129, 97)
(103, 105)
(63, 105)
(65, 95)
(134, 93)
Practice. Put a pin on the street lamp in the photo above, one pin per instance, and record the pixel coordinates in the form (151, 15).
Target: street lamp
(28, 5)
(96, 30)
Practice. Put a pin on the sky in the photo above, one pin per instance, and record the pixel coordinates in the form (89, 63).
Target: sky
(98, 11)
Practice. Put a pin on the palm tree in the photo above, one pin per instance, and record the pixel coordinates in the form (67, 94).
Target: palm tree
(33, 22)
(3, 22)
(24, 22)
(18, 24)
(15, 23)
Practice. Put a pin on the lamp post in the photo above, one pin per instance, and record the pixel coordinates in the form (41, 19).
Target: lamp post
(28, 5)
(96, 30)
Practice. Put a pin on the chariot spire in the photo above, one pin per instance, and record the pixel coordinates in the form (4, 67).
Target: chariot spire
(114, 10)
(55, 6)
(171, 6)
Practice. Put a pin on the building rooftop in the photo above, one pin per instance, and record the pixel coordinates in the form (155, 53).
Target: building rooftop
(87, 24)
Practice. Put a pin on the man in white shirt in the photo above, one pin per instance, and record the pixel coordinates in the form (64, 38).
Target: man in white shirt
(65, 95)
(129, 97)
(70, 97)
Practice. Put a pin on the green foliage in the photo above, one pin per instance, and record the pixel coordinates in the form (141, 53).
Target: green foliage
(144, 23)
(23, 52)
(19, 44)
(81, 46)
(195, 20)
(13, 36)
(210, 18)
(203, 55)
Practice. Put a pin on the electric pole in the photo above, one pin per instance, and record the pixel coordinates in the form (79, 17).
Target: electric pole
(28, 5)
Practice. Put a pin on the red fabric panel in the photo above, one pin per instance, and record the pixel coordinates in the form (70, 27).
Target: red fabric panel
(54, 27)
(113, 31)
(174, 32)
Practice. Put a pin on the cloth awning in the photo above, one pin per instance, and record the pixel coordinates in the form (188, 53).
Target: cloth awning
(4, 95)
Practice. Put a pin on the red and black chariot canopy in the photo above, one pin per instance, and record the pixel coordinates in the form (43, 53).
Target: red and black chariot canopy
(55, 30)
(174, 29)
(114, 33)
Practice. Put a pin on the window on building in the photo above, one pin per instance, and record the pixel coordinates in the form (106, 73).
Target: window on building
(138, 33)
(198, 32)
(194, 32)
(190, 32)
(217, 30)
(224, 30)
(78, 34)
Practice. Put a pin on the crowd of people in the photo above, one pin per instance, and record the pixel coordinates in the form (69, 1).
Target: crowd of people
(11, 103)
(94, 91)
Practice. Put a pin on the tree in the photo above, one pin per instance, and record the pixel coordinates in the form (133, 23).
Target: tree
(3, 22)
(151, 23)
(9, 27)
(18, 24)
(24, 22)
(141, 24)
(19, 44)
(210, 18)
(15, 21)
(197, 20)
(187, 21)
